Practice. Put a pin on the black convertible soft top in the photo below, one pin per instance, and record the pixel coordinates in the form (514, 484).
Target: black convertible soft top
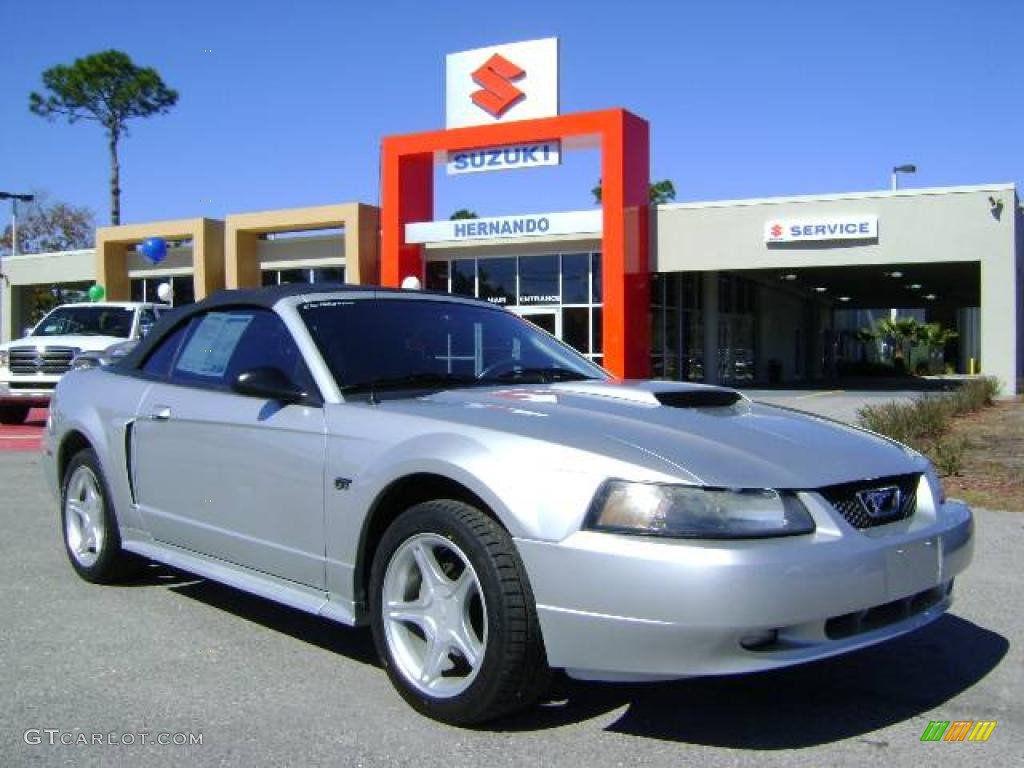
(245, 297)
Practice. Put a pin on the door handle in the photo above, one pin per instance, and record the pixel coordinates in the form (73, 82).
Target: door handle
(160, 413)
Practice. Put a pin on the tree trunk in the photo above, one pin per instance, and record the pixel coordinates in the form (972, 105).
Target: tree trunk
(115, 178)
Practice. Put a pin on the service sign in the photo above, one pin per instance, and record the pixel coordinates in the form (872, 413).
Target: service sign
(527, 225)
(832, 228)
(515, 81)
(505, 158)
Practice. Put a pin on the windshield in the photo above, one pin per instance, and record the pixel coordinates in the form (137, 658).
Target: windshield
(375, 345)
(87, 321)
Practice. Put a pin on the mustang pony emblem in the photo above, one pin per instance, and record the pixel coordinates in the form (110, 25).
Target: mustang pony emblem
(881, 502)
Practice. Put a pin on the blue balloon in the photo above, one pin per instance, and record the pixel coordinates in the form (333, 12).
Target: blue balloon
(154, 249)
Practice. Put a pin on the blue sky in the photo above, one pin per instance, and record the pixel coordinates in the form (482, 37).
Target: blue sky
(745, 99)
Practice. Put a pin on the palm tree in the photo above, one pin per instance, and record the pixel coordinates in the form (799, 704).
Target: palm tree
(933, 337)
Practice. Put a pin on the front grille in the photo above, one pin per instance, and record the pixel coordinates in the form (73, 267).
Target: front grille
(52, 361)
(34, 385)
(850, 624)
(852, 500)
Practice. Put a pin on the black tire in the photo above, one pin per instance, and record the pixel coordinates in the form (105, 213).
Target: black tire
(13, 414)
(513, 671)
(84, 491)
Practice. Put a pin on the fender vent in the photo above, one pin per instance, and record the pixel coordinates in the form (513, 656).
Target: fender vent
(699, 398)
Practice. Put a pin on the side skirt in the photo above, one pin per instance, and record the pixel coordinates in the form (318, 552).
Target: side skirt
(288, 593)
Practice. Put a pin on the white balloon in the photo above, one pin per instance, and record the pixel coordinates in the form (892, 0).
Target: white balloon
(412, 283)
(165, 292)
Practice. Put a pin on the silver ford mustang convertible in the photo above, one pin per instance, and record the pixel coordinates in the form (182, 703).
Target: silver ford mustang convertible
(491, 503)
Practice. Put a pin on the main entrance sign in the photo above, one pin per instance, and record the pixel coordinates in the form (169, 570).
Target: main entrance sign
(516, 81)
(407, 198)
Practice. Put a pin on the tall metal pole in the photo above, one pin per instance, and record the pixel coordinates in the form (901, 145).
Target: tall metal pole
(4, 282)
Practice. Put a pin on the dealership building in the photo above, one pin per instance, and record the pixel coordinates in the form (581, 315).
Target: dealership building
(733, 291)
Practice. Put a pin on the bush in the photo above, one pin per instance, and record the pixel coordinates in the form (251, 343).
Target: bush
(947, 454)
(924, 423)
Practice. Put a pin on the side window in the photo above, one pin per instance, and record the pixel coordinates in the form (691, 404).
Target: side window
(159, 361)
(225, 344)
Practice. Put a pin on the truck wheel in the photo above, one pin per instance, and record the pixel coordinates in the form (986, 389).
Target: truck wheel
(91, 536)
(13, 414)
(453, 615)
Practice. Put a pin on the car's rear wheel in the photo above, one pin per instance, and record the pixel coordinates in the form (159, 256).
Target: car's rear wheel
(91, 537)
(13, 414)
(453, 615)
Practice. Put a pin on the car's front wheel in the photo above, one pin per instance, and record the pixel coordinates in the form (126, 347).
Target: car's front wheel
(13, 414)
(453, 615)
(91, 537)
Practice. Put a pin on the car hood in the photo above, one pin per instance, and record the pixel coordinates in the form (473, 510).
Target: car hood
(665, 427)
(83, 343)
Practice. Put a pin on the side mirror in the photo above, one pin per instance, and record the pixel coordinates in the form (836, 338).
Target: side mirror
(26, 332)
(268, 383)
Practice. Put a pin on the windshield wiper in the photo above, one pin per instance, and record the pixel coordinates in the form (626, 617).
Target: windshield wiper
(540, 375)
(411, 381)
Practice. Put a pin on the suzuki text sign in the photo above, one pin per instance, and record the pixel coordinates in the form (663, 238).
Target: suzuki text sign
(515, 81)
(832, 228)
(505, 158)
(528, 225)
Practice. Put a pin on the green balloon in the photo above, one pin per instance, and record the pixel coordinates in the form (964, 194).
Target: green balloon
(97, 292)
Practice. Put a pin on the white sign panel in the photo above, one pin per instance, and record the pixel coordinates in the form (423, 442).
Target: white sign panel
(515, 81)
(528, 225)
(505, 158)
(831, 228)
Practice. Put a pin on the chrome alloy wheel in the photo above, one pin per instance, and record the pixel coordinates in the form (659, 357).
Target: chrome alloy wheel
(84, 526)
(434, 616)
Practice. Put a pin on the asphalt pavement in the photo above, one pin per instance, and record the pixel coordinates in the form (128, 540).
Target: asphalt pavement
(172, 657)
(839, 404)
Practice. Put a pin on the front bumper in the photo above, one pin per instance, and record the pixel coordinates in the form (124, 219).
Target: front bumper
(34, 393)
(617, 607)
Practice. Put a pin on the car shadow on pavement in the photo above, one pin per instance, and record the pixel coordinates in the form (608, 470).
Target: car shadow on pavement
(803, 706)
(354, 643)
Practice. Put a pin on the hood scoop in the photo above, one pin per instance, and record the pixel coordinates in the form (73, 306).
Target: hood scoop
(699, 398)
(654, 393)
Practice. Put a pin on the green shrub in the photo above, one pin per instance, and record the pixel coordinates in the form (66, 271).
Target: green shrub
(924, 423)
(947, 454)
(926, 418)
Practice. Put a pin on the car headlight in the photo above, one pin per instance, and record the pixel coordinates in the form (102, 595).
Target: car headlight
(696, 512)
(935, 485)
(5, 358)
(86, 361)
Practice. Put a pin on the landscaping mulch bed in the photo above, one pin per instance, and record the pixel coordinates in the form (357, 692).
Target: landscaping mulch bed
(992, 475)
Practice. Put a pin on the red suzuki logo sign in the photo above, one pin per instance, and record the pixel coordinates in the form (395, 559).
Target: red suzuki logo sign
(496, 92)
(515, 81)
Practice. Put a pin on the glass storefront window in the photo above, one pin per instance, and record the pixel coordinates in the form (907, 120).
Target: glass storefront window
(566, 286)
(576, 278)
(184, 289)
(576, 328)
(464, 277)
(293, 276)
(538, 280)
(327, 275)
(498, 280)
(437, 276)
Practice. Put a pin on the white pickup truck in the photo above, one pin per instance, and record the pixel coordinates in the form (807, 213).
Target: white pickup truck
(31, 366)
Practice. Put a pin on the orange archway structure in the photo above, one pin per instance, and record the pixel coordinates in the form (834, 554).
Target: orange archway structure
(408, 196)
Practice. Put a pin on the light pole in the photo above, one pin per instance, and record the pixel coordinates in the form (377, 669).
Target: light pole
(14, 197)
(898, 170)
